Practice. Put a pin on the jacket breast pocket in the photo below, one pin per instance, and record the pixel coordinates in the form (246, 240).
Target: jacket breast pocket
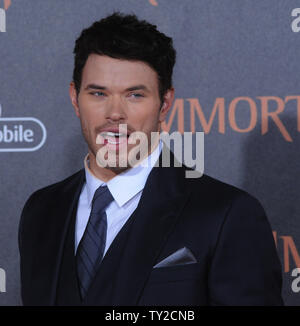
(176, 273)
(176, 286)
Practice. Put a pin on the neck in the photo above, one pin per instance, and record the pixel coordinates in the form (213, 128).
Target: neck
(101, 173)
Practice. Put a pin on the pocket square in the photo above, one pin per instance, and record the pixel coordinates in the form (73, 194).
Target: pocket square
(182, 256)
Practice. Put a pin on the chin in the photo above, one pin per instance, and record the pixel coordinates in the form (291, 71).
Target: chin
(118, 170)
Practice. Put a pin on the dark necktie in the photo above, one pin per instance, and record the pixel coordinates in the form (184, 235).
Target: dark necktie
(91, 247)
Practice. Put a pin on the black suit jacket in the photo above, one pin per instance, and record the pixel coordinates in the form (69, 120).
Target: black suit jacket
(225, 228)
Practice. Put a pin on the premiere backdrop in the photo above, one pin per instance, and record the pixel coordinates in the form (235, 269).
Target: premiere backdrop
(236, 78)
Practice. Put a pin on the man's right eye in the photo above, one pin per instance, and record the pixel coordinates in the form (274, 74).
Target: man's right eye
(98, 94)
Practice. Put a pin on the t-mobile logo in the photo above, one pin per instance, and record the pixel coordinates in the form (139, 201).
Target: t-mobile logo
(3, 10)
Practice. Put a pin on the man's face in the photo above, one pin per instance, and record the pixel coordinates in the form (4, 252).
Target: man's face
(115, 92)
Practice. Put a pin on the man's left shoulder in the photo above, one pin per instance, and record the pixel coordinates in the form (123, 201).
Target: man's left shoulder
(211, 191)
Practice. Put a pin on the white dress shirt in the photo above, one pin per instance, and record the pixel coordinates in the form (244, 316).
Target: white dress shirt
(126, 189)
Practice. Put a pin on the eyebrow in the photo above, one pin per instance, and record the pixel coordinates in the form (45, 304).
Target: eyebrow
(136, 88)
(129, 89)
(94, 86)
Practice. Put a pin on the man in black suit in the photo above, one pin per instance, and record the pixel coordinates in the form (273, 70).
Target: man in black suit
(132, 235)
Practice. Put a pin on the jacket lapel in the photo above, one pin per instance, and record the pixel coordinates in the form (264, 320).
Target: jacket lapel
(67, 201)
(164, 197)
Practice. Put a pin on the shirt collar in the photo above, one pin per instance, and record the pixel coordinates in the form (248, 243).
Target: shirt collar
(133, 179)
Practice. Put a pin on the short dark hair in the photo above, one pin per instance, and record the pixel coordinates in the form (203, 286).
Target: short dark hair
(125, 37)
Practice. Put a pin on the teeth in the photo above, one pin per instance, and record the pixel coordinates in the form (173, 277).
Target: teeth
(114, 134)
(112, 142)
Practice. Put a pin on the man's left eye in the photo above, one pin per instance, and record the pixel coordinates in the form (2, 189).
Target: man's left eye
(136, 95)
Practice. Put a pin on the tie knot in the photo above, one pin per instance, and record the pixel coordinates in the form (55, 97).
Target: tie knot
(102, 198)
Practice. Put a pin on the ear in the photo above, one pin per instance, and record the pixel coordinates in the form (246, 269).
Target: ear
(167, 104)
(73, 97)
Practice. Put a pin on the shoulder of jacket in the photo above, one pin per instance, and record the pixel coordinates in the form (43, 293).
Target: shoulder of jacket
(54, 188)
(219, 191)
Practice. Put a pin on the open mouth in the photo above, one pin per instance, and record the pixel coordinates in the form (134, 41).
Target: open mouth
(114, 138)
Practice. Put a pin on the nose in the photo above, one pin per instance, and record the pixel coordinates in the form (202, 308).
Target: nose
(116, 110)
